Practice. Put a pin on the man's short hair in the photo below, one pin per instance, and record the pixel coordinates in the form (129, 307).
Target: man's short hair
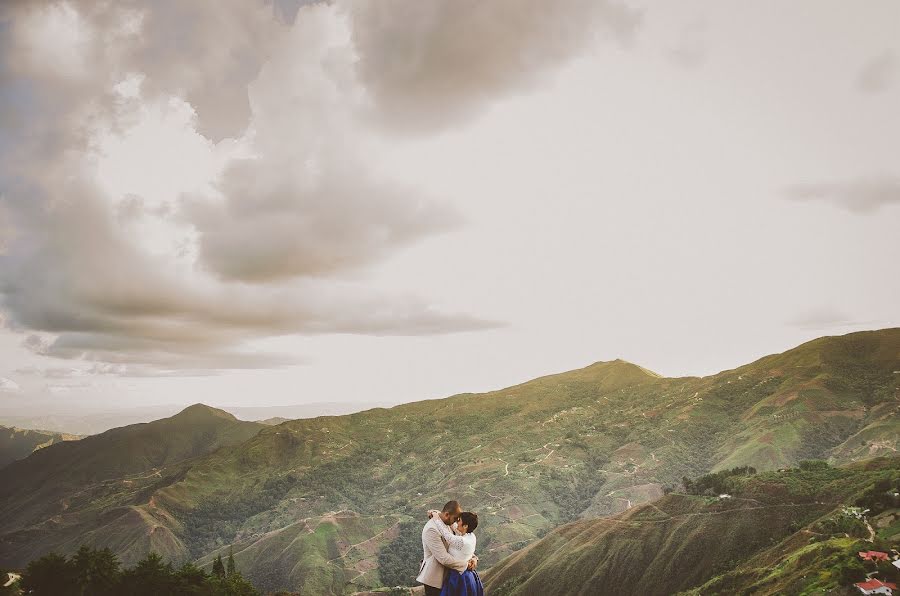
(452, 507)
(470, 519)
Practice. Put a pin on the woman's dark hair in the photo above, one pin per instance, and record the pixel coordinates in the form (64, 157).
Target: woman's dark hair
(470, 518)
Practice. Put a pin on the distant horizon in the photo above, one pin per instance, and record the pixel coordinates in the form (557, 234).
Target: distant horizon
(149, 412)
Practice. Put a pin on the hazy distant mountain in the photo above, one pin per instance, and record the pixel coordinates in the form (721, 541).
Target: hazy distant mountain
(273, 421)
(307, 504)
(295, 411)
(90, 421)
(17, 443)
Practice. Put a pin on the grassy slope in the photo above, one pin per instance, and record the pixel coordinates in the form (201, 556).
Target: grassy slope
(583, 443)
(809, 561)
(752, 541)
(18, 443)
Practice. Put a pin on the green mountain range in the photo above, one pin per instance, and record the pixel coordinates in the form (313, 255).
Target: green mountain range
(17, 443)
(308, 505)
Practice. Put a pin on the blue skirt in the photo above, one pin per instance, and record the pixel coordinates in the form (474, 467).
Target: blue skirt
(466, 583)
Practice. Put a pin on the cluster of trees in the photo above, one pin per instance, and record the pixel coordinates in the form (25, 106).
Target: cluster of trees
(716, 483)
(814, 465)
(883, 495)
(217, 519)
(91, 572)
(844, 523)
(398, 561)
(571, 491)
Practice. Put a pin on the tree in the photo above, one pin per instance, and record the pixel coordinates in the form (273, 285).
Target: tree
(97, 572)
(51, 575)
(191, 580)
(218, 569)
(851, 570)
(234, 585)
(150, 577)
(93, 572)
(230, 569)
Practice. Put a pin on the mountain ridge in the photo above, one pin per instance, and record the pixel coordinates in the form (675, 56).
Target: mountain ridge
(17, 443)
(592, 442)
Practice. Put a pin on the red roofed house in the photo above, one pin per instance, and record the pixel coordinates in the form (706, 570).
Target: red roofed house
(875, 586)
(873, 555)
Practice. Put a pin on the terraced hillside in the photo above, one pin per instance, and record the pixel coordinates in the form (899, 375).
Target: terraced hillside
(18, 443)
(307, 504)
(775, 533)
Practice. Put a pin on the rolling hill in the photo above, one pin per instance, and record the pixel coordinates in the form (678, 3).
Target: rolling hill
(17, 443)
(101, 474)
(308, 504)
(776, 533)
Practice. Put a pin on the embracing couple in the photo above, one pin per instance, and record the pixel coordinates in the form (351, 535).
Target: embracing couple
(449, 562)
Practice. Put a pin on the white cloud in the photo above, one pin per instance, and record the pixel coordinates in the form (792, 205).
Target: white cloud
(162, 247)
(8, 385)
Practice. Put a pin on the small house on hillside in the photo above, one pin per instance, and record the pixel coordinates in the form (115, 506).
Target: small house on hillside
(876, 586)
(873, 555)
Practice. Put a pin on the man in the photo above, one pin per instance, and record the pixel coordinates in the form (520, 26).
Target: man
(436, 560)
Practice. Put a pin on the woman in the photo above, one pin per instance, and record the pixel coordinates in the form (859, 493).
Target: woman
(461, 545)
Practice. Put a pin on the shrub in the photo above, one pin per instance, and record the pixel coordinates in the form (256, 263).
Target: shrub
(716, 483)
(811, 465)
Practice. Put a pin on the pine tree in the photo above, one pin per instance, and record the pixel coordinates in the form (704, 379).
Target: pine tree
(230, 567)
(218, 568)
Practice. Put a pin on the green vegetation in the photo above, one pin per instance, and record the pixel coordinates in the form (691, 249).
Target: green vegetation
(883, 495)
(311, 505)
(93, 572)
(770, 536)
(717, 483)
(399, 560)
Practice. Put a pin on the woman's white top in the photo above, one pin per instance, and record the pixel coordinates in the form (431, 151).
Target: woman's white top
(459, 547)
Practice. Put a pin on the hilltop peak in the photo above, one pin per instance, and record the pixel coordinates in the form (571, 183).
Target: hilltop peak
(622, 365)
(607, 375)
(202, 411)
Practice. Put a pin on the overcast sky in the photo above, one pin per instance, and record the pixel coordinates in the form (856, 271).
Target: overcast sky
(382, 201)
